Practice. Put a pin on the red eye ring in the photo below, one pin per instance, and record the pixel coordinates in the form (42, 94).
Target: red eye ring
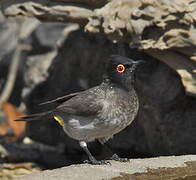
(120, 68)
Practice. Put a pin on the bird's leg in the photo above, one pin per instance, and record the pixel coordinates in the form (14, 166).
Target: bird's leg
(83, 145)
(115, 156)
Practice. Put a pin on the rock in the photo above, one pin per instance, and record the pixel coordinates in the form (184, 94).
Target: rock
(8, 38)
(160, 28)
(15, 98)
(166, 168)
(13, 171)
(35, 61)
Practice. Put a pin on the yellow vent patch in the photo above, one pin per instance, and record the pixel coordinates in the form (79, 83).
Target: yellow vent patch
(59, 120)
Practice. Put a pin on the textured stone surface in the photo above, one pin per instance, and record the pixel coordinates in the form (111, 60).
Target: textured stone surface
(161, 28)
(168, 168)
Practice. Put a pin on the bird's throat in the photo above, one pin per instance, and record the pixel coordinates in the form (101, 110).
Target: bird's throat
(127, 83)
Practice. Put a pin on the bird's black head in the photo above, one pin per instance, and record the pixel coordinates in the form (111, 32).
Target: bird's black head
(120, 70)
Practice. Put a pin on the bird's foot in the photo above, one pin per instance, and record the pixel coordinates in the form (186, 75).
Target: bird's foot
(117, 158)
(96, 162)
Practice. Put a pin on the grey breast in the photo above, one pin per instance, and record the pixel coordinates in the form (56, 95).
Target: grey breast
(119, 110)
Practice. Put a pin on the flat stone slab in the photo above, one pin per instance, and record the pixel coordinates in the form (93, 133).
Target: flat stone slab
(164, 168)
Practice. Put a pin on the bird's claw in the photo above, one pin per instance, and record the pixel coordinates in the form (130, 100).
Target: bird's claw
(117, 158)
(96, 162)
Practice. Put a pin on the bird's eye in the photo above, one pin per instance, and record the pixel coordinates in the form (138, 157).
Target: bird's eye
(120, 68)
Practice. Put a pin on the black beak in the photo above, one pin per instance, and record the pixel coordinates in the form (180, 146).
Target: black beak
(138, 62)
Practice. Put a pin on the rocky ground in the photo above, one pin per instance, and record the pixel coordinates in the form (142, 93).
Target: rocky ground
(161, 168)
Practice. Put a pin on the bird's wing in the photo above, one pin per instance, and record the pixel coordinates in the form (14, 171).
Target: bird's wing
(81, 103)
(47, 114)
(38, 116)
(61, 99)
(86, 103)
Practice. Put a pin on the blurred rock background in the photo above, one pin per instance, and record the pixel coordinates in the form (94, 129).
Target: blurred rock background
(57, 58)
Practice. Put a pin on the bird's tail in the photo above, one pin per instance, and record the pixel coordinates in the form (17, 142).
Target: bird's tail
(36, 117)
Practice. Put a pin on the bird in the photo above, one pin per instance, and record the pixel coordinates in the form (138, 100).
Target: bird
(100, 112)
